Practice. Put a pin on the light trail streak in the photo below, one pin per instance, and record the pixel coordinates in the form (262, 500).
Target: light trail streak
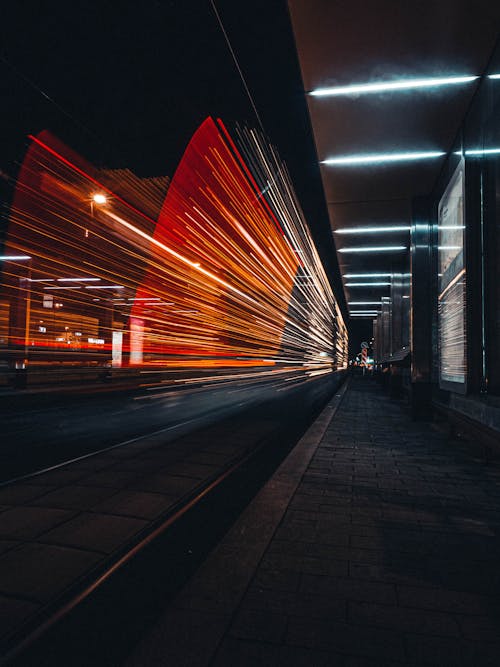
(217, 269)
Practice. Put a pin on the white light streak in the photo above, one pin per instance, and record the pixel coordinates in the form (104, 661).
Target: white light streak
(478, 152)
(375, 284)
(14, 258)
(388, 248)
(364, 303)
(372, 230)
(392, 86)
(379, 158)
(367, 275)
(77, 280)
(104, 287)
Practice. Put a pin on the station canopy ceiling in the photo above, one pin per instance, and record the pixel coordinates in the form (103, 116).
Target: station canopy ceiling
(341, 44)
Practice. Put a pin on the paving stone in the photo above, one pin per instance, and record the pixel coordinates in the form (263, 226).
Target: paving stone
(19, 493)
(13, 612)
(245, 654)
(481, 628)
(74, 497)
(259, 626)
(25, 523)
(443, 652)
(95, 532)
(139, 504)
(171, 641)
(349, 589)
(444, 600)
(61, 476)
(300, 657)
(110, 478)
(39, 572)
(7, 545)
(403, 619)
(167, 484)
(345, 638)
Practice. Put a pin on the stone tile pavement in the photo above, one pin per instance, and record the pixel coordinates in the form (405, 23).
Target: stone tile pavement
(62, 528)
(387, 553)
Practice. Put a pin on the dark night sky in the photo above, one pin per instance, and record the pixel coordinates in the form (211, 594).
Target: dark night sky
(131, 82)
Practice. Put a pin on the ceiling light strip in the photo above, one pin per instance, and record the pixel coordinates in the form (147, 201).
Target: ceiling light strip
(392, 86)
(379, 158)
(375, 284)
(372, 230)
(367, 275)
(388, 248)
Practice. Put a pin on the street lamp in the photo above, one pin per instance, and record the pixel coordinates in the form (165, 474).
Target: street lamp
(99, 199)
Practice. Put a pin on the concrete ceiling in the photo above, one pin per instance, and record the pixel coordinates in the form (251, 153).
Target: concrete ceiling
(344, 43)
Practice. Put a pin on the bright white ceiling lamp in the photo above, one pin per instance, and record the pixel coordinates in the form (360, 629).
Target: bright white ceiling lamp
(367, 275)
(391, 86)
(78, 280)
(493, 76)
(104, 287)
(14, 258)
(364, 303)
(372, 230)
(381, 158)
(478, 152)
(383, 248)
(374, 284)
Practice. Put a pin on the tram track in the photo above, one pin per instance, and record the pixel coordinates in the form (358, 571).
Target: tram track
(176, 540)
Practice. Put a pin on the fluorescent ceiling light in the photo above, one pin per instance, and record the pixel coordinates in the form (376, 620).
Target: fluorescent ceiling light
(390, 86)
(472, 152)
(367, 275)
(372, 230)
(364, 303)
(41, 280)
(493, 76)
(383, 248)
(378, 158)
(451, 226)
(104, 287)
(376, 284)
(78, 280)
(12, 258)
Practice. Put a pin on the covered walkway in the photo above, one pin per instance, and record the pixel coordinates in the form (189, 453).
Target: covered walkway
(385, 553)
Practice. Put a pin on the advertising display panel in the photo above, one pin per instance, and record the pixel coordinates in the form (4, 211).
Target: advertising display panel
(451, 281)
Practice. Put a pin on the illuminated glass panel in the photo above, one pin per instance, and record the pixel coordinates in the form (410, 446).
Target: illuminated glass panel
(452, 284)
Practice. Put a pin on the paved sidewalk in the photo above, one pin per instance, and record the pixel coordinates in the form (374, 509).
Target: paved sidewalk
(386, 554)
